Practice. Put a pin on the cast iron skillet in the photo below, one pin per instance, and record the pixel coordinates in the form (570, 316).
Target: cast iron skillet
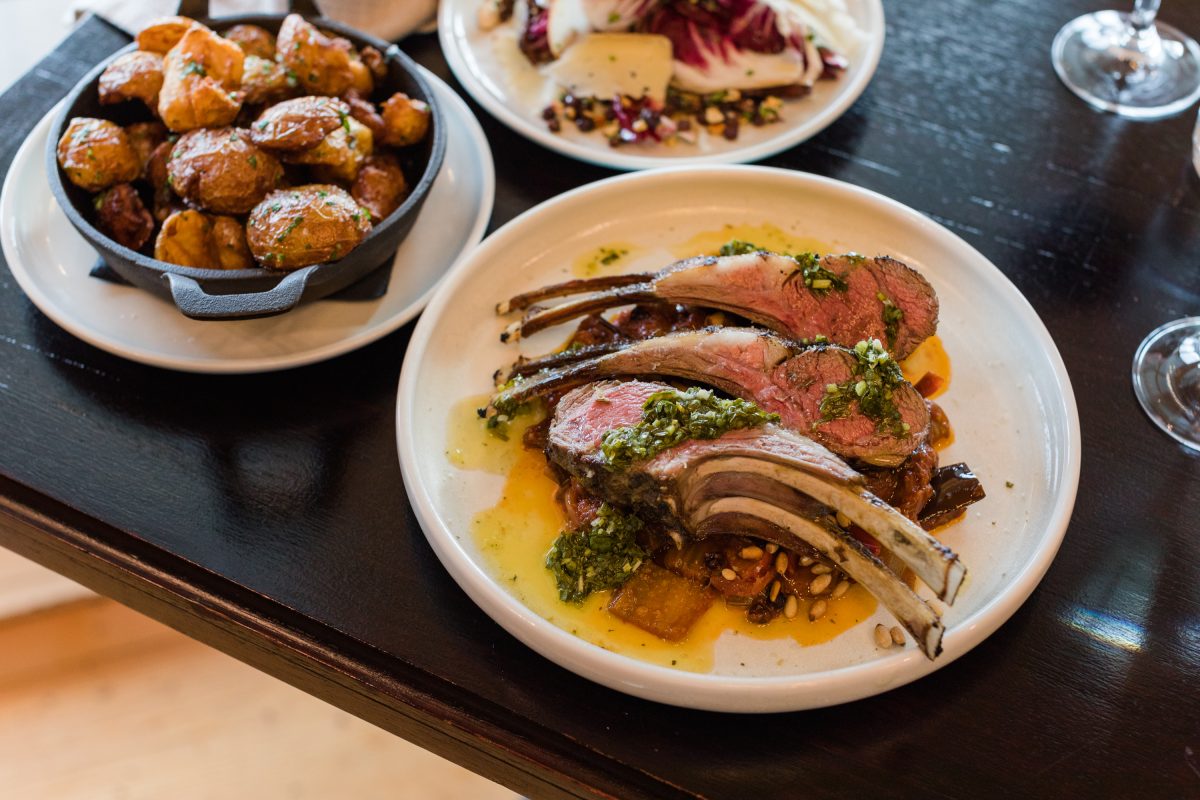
(246, 293)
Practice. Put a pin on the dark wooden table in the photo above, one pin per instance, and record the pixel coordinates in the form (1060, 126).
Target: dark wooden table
(265, 515)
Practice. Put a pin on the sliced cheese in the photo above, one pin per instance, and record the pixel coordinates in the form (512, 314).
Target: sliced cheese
(606, 64)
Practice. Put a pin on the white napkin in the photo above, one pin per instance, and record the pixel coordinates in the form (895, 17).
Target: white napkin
(386, 19)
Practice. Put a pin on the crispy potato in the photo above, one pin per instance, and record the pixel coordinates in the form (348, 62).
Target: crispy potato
(375, 62)
(320, 63)
(164, 33)
(202, 79)
(380, 186)
(362, 81)
(340, 155)
(144, 138)
(299, 124)
(164, 201)
(132, 76)
(229, 244)
(364, 111)
(253, 40)
(122, 216)
(265, 82)
(293, 228)
(194, 239)
(222, 170)
(95, 154)
(405, 120)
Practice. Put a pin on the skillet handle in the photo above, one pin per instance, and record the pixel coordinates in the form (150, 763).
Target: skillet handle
(198, 9)
(194, 302)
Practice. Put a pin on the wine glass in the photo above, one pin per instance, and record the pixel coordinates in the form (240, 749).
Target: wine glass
(1127, 63)
(1166, 379)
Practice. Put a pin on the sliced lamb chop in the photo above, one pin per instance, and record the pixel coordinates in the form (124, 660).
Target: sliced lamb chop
(758, 366)
(851, 299)
(769, 474)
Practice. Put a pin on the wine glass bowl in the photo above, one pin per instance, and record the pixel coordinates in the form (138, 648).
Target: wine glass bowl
(1128, 64)
(1166, 379)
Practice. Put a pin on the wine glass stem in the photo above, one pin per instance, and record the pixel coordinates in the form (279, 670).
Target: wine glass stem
(1144, 12)
(1141, 42)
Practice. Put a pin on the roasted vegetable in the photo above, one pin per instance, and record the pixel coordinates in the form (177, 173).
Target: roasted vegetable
(253, 40)
(122, 216)
(132, 76)
(405, 120)
(293, 228)
(96, 154)
(380, 186)
(194, 239)
(320, 63)
(222, 170)
(299, 124)
(202, 80)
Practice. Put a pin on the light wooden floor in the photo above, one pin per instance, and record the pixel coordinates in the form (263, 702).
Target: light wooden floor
(99, 703)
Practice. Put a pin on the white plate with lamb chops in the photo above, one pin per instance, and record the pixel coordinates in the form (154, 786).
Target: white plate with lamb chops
(1009, 401)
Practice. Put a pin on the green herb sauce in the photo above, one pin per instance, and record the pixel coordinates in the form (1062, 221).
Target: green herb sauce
(893, 315)
(600, 555)
(672, 416)
(818, 279)
(872, 386)
(506, 410)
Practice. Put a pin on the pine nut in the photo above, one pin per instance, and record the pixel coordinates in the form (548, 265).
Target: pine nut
(752, 552)
(883, 639)
(897, 636)
(821, 569)
(772, 547)
(841, 588)
(817, 610)
(774, 590)
(728, 574)
(843, 520)
(781, 562)
(806, 561)
(820, 584)
(791, 606)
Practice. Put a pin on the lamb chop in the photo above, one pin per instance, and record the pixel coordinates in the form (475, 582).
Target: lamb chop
(766, 480)
(846, 298)
(814, 390)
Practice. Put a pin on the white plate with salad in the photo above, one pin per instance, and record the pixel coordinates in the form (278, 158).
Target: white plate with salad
(636, 84)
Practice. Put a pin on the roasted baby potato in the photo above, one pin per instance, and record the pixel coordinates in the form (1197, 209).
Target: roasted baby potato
(165, 202)
(229, 244)
(222, 170)
(202, 79)
(340, 155)
(121, 215)
(253, 40)
(375, 62)
(145, 137)
(293, 228)
(164, 33)
(194, 239)
(320, 63)
(132, 76)
(300, 124)
(362, 81)
(380, 186)
(266, 81)
(405, 120)
(96, 154)
(364, 111)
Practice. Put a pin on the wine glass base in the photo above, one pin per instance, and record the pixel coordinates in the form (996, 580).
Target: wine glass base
(1166, 379)
(1091, 56)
